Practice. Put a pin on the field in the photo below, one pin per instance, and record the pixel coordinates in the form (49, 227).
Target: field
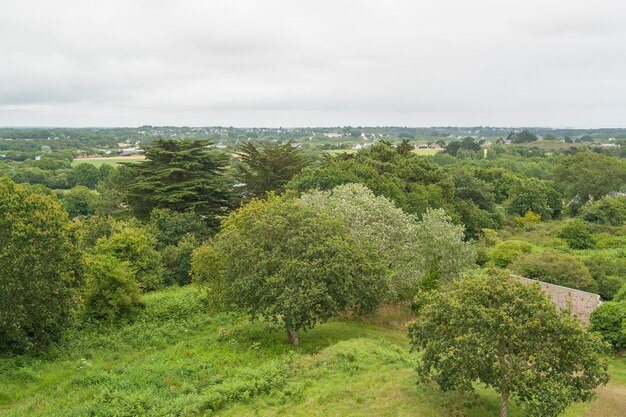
(424, 152)
(176, 358)
(113, 160)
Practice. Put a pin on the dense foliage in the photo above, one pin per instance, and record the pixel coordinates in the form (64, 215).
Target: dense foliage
(180, 175)
(609, 319)
(111, 289)
(289, 263)
(556, 268)
(37, 268)
(268, 167)
(508, 336)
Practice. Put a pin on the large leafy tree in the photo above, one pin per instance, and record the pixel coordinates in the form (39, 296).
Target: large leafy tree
(510, 337)
(79, 201)
(37, 268)
(268, 167)
(181, 175)
(289, 263)
(588, 176)
(379, 221)
(534, 195)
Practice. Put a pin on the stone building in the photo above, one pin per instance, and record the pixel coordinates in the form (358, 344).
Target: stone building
(582, 302)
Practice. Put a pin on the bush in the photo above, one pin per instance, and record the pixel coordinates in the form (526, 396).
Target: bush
(37, 268)
(112, 291)
(169, 227)
(135, 246)
(608, 320)
(621, 294)
(79, 201)
(506, 252)
(609, 210)
(528, 219)
(177, 261)
(608, 271)
(577, 235)
(556, 268)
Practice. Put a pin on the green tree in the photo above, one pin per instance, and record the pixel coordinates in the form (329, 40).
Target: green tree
(268, 167)
(380, 222)
(177, 260)
(290, 263)
(442, 247)
(577, 235)
(589, 175)
(510, 337)
(111, 290)
(79, 201)
(506, 252)
(181, 175)
(531, 194)
(169, 227)
(609, 320)
(136, 246)
(525, 136)
(37, 268)
(85, 174)
(609, 210)
(404, 147)
(467, 144)
(113, 192)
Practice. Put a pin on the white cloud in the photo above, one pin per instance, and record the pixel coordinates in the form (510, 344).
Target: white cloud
(296, 63)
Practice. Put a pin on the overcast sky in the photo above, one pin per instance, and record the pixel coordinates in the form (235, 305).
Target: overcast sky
(313, 63)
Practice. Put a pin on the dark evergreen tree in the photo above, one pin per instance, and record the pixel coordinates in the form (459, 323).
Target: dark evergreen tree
(181, 175)
(269, 167)
(404, 147)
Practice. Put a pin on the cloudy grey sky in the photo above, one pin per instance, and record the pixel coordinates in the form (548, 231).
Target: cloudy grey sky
(313, 63)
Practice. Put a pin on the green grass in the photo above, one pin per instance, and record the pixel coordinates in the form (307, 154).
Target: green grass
(113, 160)
(426, 152)
(176, 358)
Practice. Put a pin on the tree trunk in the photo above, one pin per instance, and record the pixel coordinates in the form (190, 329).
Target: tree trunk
(504, 405)
(292, 337)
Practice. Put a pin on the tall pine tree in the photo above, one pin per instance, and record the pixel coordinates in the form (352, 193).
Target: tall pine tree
(269, 167)
(181, 175)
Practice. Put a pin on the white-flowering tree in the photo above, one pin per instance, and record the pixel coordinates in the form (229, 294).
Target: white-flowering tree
(379, 221)
(441, 245)
(410, 248)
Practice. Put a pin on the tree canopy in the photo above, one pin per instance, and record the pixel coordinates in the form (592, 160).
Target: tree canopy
(37, 268)
(181, 175)
(590, 175)
(268, 167)
(290, 263)
(510, 337)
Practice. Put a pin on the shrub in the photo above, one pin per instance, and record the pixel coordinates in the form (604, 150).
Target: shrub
(177, 260)
(577, 235)
(609, 210)
(112, 291)
(506, 252)
(37, 268)
(528, 219)
(79, 201)
(556, 268)
(621, 294)
(169, 227)
(608, 271)
(135, 245)
(608, 320)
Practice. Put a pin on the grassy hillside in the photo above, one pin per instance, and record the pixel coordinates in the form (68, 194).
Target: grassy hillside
(178, 359)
